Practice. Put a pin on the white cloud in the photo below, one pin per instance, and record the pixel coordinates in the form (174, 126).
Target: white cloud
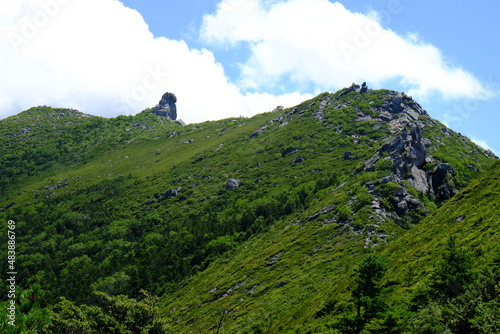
(100, 57)
(323, 43)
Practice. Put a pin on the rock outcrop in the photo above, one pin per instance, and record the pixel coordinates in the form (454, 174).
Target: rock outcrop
(355, 88)
(166, 107)
(407, 153)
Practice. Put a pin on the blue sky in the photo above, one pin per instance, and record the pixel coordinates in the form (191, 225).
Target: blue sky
(227, 58)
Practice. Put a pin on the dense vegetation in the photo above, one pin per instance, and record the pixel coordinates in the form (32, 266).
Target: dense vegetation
(113, 212)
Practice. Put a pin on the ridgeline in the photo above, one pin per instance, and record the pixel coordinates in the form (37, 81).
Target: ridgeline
(266, 224)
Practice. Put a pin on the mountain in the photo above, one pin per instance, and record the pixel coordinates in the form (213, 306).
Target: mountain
(243, 225)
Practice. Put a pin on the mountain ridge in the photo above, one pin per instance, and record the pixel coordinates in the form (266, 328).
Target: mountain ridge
(138, 202)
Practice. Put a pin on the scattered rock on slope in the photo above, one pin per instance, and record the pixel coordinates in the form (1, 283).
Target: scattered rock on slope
(232, 184)
(172, 192)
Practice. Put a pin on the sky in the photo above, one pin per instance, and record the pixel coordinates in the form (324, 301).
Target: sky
(230, 58)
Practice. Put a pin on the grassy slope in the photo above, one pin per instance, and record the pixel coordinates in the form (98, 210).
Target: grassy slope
(112, 167)
(317, 259)
(110, 185)
(478, 233)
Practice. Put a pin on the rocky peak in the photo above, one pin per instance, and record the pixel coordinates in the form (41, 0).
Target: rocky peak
(355, 88)
(408, 152)
(166, 107)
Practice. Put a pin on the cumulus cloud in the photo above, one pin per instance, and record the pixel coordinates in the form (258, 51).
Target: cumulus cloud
(325, 44)
(99, 56)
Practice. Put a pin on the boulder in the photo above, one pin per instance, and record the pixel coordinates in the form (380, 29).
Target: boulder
(180, 122)
(258, 131)
(11, 204)
(298, 159)
(273, 260)
(232, 184)
(385, 116)
(418, 180)
(290, 150)
(172, 192)
(396, 105)
(281, 284)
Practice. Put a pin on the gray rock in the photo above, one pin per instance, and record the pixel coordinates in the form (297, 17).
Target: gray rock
(172, 192)
(240, 284)
(440, 184)
(402, 207)
(180, 122)
(277, 119)
(385, 116)
(418, 180)
(396, 105)
(323, 211)
(11, 204)
(460, 219)
(364, 119)
(232, 184)
(413, 114)
(281, 284)
(258, 131)
(427, 142)
(297, 160)
(387, 179)
(273, 260)
(413, 202)
(401, 192)
(290, 150)
(346, 91)
(364, 88)
(57, 186)
(151, 201)
(319, 115)
(166, 107)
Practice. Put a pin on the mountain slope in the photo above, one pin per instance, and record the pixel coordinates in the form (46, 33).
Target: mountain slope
(140, 202)
(297, 277)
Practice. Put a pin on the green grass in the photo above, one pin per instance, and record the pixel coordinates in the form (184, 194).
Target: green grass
(80, 184)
